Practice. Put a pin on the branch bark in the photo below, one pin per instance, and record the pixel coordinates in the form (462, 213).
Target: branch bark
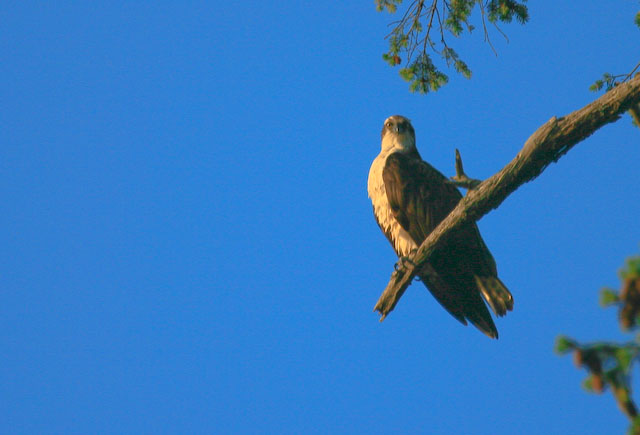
(547, 144)
(461, 179)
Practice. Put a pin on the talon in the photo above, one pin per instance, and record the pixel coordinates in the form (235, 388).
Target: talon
(403, 260)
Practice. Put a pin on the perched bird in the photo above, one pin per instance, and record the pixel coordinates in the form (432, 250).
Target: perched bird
(410, 198)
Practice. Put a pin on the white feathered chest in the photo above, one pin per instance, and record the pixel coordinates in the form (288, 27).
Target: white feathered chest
(399, 238)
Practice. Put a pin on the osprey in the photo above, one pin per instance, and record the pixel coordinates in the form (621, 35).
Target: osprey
(410, 198)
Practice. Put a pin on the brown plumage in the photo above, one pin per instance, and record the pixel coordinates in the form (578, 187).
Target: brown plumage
(410, 199)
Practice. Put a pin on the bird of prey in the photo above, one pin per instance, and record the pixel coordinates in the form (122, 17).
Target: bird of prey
(410, 198)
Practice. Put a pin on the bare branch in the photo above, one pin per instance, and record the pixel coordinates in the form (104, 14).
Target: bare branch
(550, 142)
(504, 35)
(461, 179)
(484, 27)
(628, 76)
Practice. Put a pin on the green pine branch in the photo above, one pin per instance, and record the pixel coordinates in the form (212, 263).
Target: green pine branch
(422, 30)
(609, 365)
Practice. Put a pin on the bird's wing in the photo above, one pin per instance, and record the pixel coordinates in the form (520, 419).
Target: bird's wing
(420, 197)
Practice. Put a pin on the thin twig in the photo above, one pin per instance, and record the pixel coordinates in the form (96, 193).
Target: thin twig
(501, 32)
(628, 76)
(402, 20)
(484, 27)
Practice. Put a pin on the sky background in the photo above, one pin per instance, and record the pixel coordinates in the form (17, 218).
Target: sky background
(187, 245)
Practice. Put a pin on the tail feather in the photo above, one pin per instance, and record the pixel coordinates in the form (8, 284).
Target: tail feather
(495, 293)
(463, 303)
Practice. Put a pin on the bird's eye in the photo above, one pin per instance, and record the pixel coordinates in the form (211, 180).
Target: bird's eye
(389, 124)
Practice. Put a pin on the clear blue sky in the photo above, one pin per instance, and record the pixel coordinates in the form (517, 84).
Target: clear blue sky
(187, 244)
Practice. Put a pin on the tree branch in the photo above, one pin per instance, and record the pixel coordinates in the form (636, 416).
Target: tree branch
(461, 179)
(550, 142)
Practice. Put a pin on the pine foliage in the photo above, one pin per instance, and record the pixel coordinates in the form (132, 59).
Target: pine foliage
(609, 365)
(422, 30)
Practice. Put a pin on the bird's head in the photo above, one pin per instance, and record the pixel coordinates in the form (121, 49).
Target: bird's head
(398, 134)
